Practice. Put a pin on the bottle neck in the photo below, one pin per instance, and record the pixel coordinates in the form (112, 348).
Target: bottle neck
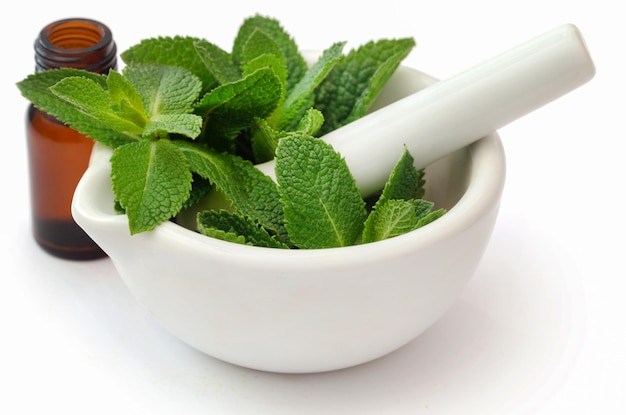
(76, 43)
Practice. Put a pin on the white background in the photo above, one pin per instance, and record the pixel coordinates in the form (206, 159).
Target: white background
(539, 330)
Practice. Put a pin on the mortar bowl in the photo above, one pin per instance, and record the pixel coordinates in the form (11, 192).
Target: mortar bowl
(304, 311)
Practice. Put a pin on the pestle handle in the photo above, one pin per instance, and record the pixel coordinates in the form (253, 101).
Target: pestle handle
(455, 112)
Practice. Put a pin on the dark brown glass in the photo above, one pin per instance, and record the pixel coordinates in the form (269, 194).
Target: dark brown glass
(59, 155)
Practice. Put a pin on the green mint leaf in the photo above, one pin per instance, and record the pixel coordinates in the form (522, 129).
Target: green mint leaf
(91, 98)
(250, 192)
(36, 88)
(296, 65)
(265, 138)
(278, 67)
(261, 51)
(172, 51)
(422, 207)
(151, 181)
(301, 96)
(261, 43)
(125, 99)
(430, 217)
(218, 62)
(354, 83)
(189, 125)
(322, 205)
(200, 188)
(208, 230)
(406, 184)
(394, 217)
(311, 122)
(235, 228)
(165, 89)
(231, 108)
(264, 61)
(405, 181)
(169, 94)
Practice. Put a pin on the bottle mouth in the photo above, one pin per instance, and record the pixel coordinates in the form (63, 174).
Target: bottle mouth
(76, 43)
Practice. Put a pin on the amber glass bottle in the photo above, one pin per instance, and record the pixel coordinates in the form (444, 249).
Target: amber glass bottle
(58, 155)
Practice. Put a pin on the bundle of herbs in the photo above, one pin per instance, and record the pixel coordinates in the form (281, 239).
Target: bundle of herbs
(185, 117)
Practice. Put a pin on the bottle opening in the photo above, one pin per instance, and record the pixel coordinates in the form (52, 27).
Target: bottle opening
(75, 43)
(75, 35)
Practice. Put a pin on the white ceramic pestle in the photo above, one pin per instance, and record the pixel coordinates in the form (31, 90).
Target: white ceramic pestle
(453, 113)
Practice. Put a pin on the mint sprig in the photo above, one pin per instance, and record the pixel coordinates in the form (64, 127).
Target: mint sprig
(186, 117)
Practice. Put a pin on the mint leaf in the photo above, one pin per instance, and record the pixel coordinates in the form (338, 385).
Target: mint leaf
(267, 60)
(310, 123)
(218, 62)
(36, 88)
(230, 108)
(405, 181)
(394, 217)
(235, 228)
(296, 65)
(354, 83)
(125, 99)
(200, 188)
(91, 98)
(301, 96)
(322, 205)
(278, 67)
(430, 217)
(172, 51)
(207, 229)
(260, 43)
(169, 94)
(265, 138)
(165, 89)
(151, 182)
(250, 192)
(404, 190)
(261, 51)
(189, 125)
(422, 207)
